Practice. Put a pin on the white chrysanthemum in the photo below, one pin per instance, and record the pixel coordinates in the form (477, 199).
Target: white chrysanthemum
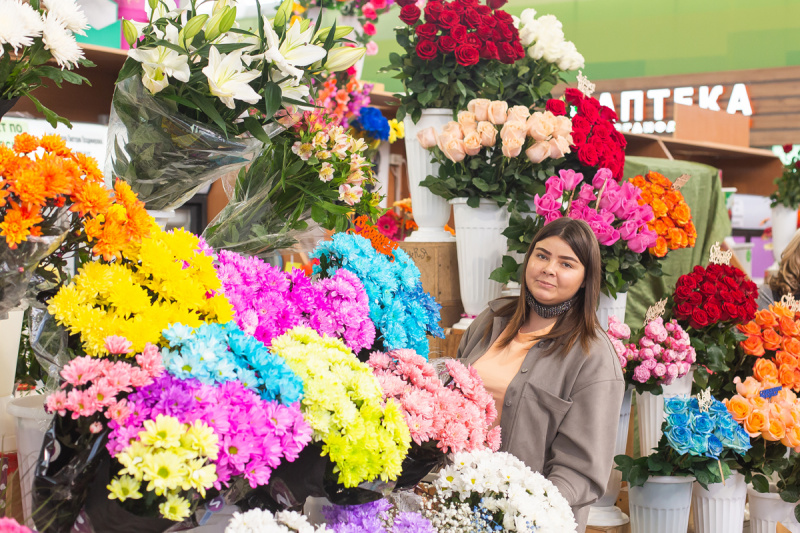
(61, 43)
(68, 12)
(20, 24)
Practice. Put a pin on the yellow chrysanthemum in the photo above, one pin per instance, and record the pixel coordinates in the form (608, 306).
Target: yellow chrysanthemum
(124, 488)
(175, 508)
(165, 471)
(163, 432)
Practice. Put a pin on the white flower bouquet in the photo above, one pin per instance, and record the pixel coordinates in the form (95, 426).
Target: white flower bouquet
(198, 96)
(262, 521)
(485, 491)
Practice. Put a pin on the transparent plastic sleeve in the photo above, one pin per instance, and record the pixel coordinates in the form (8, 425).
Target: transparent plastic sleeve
(164, 156)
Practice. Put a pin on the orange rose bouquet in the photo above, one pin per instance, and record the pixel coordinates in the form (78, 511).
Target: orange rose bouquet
(672, 217)
(773, 338)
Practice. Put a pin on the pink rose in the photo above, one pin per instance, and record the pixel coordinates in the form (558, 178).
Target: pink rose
(369, 11)
(371, 48)
(587, 193)
(472, 142)
(606, 234)
(551, 216)
(487, 132)
(546, 204)
(454, 149)
(453, 129)
(497, 112)
(638, 243)
(554, 187)
(649, 364)
(628, 230)
(602, 176)
(646, 353)
(660, 370)
(669, 355)
(467, 121)
(427, 138)
(369, 28)
(538, 152)
(655, 330)
(618, 345)
(617, 329)
(641, 374)
(571, 178)
(512, 147)
(623, 362)
(480, 106)
(379, 4)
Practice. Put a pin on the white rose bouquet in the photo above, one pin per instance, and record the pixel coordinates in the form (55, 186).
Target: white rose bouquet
(486, 491)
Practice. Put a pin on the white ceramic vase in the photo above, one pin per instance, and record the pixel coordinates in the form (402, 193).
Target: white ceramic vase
(607, 306)
(480, 245)
(767, 509)
(431, 212)
(10, 332)
(661, 505)
(720, 509)
(650, 409)
(784, 225)
(604, 512)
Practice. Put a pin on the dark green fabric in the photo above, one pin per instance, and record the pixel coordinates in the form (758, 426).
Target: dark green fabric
(704, 195)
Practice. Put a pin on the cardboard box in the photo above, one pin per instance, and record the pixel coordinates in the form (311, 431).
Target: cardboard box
(438, 266)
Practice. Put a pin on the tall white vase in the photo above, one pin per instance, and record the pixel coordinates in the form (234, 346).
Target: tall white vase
(604, 512)
(480, 245)
(784, 225)
(650, 409)
(766, 510)
(720, 509)
(661, 505)
(10, 331)
(607, 306)
(431, 212)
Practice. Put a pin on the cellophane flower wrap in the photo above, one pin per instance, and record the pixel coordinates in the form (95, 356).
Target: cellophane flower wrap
(167, 279)
(197, 97)
(268, 302)
(698, 441)
(263, 521)
(773, 346)
(403, 313)
(365, 437)
(310, 173)
(452, 53)
(496, 152)
(497, 492)
(672, 218)
(708, 302)
(374, 517)
(662, 354)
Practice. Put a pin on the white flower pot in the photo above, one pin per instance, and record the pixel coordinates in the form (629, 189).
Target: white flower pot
(431, 212)
(661, 505)
(604, 512)
(650, 409)
(32, 423)
(767, 509)
(10, 332)
(607, 306)
(720, 509)
(480, 245)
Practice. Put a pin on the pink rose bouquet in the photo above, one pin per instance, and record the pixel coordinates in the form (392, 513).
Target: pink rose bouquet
(662, 353)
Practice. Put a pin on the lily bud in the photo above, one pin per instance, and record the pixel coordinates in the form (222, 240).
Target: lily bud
(130, 32)
(283, 13)
(192, 28)
(153, 4)
(343, 57)
(340, 33)
(216, 25)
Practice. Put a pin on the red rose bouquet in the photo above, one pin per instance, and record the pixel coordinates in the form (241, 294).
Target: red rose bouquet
(708, 303)
(453, 51)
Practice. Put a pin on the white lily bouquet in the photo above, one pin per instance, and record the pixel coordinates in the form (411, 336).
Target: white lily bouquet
(198, 96)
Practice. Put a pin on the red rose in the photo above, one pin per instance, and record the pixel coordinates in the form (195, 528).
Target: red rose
(503, 18)
(489, 51)
(467, 55)
(787, 148)
(496, 4)
(410, 14)
(587, 155)
(474, 40)
(486, 11)
(713, 311)
(506, 31)
(698, 270)
(448, 19)
(797, 164)
(573, 96)
(447, 44)
(403, 3)
(468, 3)
(695, 299)
(708, 288)
(683, 311)
(682, 294)
(497, 34)
(426, 50)
(556, 107)
(459, 33)
(506, 53)
(606, 113)
(472, 18)
(426, 31)
(484, 29)
(699, 319)
(589, 108)
(518, 50)
(432, 11)
(620, 138)
(457, 7)
(602, 131)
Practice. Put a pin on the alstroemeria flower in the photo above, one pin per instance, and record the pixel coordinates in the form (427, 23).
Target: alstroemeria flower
(226, 78)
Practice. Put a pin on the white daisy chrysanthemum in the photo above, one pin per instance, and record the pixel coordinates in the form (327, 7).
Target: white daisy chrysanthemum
(61, 43)
(20, 24)
(68, 12)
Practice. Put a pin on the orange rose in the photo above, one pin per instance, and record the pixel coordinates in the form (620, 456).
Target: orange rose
(788, 326)
(765, 370)
(766, 319)
(780, 311)
(755, 423)
(774, 430)
(660, 249)
(639, 182)
(749, 388)
(751, 328)
(659, 207)
(659, 226)
(681, 214)
(786, 376)
(792, 437)
(659, 179)
(783, 358)
(759, 404)
(739, 408)
(786, 396)
(675, 237)
(772, 341)
(647, 197)
(791, 345)
(669, 223)
(753, 346)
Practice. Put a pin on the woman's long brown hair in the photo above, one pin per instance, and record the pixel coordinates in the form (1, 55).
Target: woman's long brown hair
(580, 322)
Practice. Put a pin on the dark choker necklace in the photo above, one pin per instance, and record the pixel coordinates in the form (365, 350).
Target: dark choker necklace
(549, 311)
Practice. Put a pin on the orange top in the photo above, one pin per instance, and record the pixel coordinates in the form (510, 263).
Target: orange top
(498, 366)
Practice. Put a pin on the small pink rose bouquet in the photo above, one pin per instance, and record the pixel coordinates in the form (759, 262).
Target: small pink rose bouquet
(662, 354)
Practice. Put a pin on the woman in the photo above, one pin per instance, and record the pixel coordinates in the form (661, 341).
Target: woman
(787, 280)
(553, 372)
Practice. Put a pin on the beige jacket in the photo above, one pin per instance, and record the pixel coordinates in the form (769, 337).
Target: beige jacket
(561, 412)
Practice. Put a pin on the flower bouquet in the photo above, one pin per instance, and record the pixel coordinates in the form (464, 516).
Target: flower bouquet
(263, 521)
(194, 86)
(403, 313)
(451, 53)
(488, 491)
(615, 216)
(267, 302)
(33, 35)
(442, 419)
(374, 517)
(662, 354)
(707, 303)
(672, 218)
(480, 154)
(364, 438)
(310, 172)
(697, 441)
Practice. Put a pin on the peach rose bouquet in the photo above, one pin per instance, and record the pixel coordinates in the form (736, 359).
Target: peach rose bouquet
(496, 151)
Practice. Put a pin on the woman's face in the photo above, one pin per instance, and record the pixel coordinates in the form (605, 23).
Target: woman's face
(553, 274)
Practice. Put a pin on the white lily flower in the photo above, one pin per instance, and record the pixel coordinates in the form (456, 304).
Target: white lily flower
(154, 78)
(226, 78)
(295, 51)
(290, 88)
(163, 60)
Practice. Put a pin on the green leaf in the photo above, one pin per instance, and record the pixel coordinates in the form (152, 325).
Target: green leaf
(481, 184)
(209, 109)
(760, 483)
(790, 495)
(130, 68)
(256, 130)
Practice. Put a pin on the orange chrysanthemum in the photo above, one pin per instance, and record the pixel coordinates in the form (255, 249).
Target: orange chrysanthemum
(25, 143)
(16, 226)
(54, 144)
(91, 198)
(379, 241)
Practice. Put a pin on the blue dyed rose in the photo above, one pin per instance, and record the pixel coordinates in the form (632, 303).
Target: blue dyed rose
(678, 419)
(674, 405)
(680, 439)
(714, 447)
(702, 423)
(699, 444)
